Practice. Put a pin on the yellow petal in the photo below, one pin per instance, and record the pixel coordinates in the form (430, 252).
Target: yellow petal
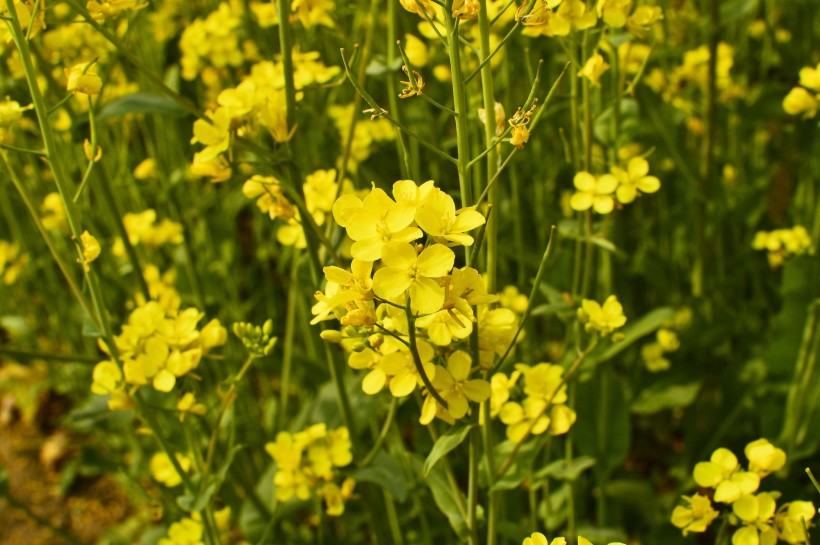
(435, 261)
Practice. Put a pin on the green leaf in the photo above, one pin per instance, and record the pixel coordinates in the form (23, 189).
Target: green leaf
(665, 395)
(563, 471)
(194, 503)
(385, 472)
(447, 501)
(142, 103)
(634, 331)
(4, 481)
(522, 466)
(445, 444)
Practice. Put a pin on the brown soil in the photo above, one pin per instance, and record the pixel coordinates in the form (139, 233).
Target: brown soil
(91, 507)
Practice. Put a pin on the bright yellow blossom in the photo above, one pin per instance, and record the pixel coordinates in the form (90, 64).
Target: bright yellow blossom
(439, 219)
(596, 193)
(603, 319)
(405, 271)
(593, 69)
(696, 516)
(634, 180)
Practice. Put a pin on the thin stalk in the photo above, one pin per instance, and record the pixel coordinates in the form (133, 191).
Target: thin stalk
(36, 153)
(489, 136)
(460, 104)
(539, 276)
(378, 111)
(55, 254)
(388, 423)
(472, 486)
(414, 351)
(707, 166)
(287, 352)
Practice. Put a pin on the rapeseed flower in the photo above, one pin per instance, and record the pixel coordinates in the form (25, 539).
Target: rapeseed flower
(634, 180)
(439, 219)
(593, 69)
(455, 387)
(696, 516)
(603, 319)
(374, 221)
(594, 192)
(407, 271)
(83, 80)
(790, 519)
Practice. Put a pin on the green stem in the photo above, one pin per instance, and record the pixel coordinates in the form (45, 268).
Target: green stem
(414, 351)
(472, 486)
(539, 276)
(388, 422)
(460, 105)
(287, 352)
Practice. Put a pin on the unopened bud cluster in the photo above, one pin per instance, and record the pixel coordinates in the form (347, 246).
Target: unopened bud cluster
(256, 339)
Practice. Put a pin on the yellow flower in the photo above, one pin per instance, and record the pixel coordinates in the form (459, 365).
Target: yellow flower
(188, 405)
(696, 516)
(595, 193)
(500, 386)
(614, 12)
(757, 513)
(11, 262)
(373, 222)
(108, 9)
(163, 471)
(11, 113)
(537, 538)
(593, 69)
(185, 532)
(602, 319)
(214, 133)
(764, 458)
(91, 249)
(810, 78)
(402, 370)
(799, 101)
(439, 219)
(634, 180)
(790, 518)
(722, 473)
(406, 271)
(572, 15)
(83, 79)
(454, 387)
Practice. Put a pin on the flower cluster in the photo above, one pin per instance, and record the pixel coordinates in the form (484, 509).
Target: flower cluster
(320, 189)
(560, 17)
(144, 229)
(306, 464)
(652, 353)
(622, 184)
(407, 323)
(257, 101)
(692, 74)
(756, 514)
(543, 409)
(783, 243)
(157, 346)
(804, 99)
